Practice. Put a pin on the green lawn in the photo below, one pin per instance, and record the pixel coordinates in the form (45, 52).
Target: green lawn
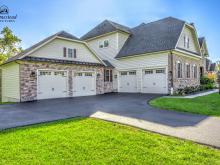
(206, 105)
(91, 141)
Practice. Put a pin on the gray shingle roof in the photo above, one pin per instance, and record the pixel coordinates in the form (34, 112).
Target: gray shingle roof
(108, 64)
(60, 34)
(105, 27)
(39, 59)
(152, 37)
(212, 67)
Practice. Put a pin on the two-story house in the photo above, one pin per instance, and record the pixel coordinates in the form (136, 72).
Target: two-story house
(156, 57)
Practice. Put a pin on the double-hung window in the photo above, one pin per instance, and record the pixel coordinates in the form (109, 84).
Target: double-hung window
(179, 70)
(187, 70)
(186, 41)
(108, 75)
(69, 53)
(194, 71)
(103, 44)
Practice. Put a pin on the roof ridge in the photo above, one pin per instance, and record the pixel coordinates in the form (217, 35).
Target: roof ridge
(164, 19)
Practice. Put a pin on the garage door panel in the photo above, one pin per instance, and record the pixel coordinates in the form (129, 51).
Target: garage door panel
(52, 84)
(128, 82)
(154, 81)
(84, 84)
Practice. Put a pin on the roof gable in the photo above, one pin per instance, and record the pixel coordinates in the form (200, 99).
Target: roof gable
(103, 28)
(61, 35)
(156, 36)
(203, 46)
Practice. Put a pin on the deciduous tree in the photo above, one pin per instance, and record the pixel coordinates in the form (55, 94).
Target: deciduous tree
(9, 44)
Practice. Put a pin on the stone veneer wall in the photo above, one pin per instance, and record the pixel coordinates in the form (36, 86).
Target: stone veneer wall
(28, 84)
(183, 82)
(108, 87)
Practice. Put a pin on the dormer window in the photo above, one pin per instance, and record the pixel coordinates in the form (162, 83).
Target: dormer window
(186, 42)
(103, 44)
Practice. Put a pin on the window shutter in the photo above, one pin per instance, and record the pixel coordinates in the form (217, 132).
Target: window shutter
(74, 53)
(64, 52)
(104, 75)
(188, 42)
(184, 41)
(110, 75)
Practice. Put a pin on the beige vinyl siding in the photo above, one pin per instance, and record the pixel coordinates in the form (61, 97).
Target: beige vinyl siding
(143, 61)
(122, 38)
(107, 52)
(193, 44)
(10, 83)
(54, 50)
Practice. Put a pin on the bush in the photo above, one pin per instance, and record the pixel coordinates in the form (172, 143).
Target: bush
(207, 83)
(188, 90)
(206, 80)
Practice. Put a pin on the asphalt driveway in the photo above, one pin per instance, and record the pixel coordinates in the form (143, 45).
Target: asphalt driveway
(131, 109)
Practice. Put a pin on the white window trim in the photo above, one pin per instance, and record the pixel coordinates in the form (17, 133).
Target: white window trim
(181, 70)
(187, 64)
(102, 42)
(195, 66)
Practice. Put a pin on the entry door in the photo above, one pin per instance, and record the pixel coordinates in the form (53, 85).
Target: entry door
(128, 82)
(154, 81)
(84, 84)
(52, 84)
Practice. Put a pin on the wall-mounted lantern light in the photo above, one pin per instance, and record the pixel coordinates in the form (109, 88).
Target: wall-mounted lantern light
(98, 75)
(33, 74)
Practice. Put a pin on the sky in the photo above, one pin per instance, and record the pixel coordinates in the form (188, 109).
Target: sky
(37, 19)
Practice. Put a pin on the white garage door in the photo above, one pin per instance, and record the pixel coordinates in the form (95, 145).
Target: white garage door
(51, 84)
(154, 81)
(84, 84)
(128, 81)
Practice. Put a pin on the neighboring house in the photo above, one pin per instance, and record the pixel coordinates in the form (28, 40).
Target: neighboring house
(205, 55)
(157, 57)
(212, 69)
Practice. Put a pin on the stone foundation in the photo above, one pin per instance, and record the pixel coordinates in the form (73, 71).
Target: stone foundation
(108, 87)
(28, 84)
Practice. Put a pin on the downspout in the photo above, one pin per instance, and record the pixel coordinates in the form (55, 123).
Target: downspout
(19, 78)
(171, 72)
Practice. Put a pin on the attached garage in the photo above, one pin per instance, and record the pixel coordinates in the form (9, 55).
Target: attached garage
(51, 84)
(154, 81)
(128, 81)
(84, 84)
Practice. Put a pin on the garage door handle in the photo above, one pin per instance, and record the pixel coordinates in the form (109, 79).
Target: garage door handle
(39, 92)
(93, 90)
(144, 87)
(64, 91)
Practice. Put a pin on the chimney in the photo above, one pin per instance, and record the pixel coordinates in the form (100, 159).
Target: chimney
(192, 24)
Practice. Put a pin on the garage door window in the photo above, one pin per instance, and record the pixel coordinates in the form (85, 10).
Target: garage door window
(132, 73)
(88, 74)
(150, 71)
(59, 73)
(123, 73)
(78, 74)
(45, 73)
(160, 71)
